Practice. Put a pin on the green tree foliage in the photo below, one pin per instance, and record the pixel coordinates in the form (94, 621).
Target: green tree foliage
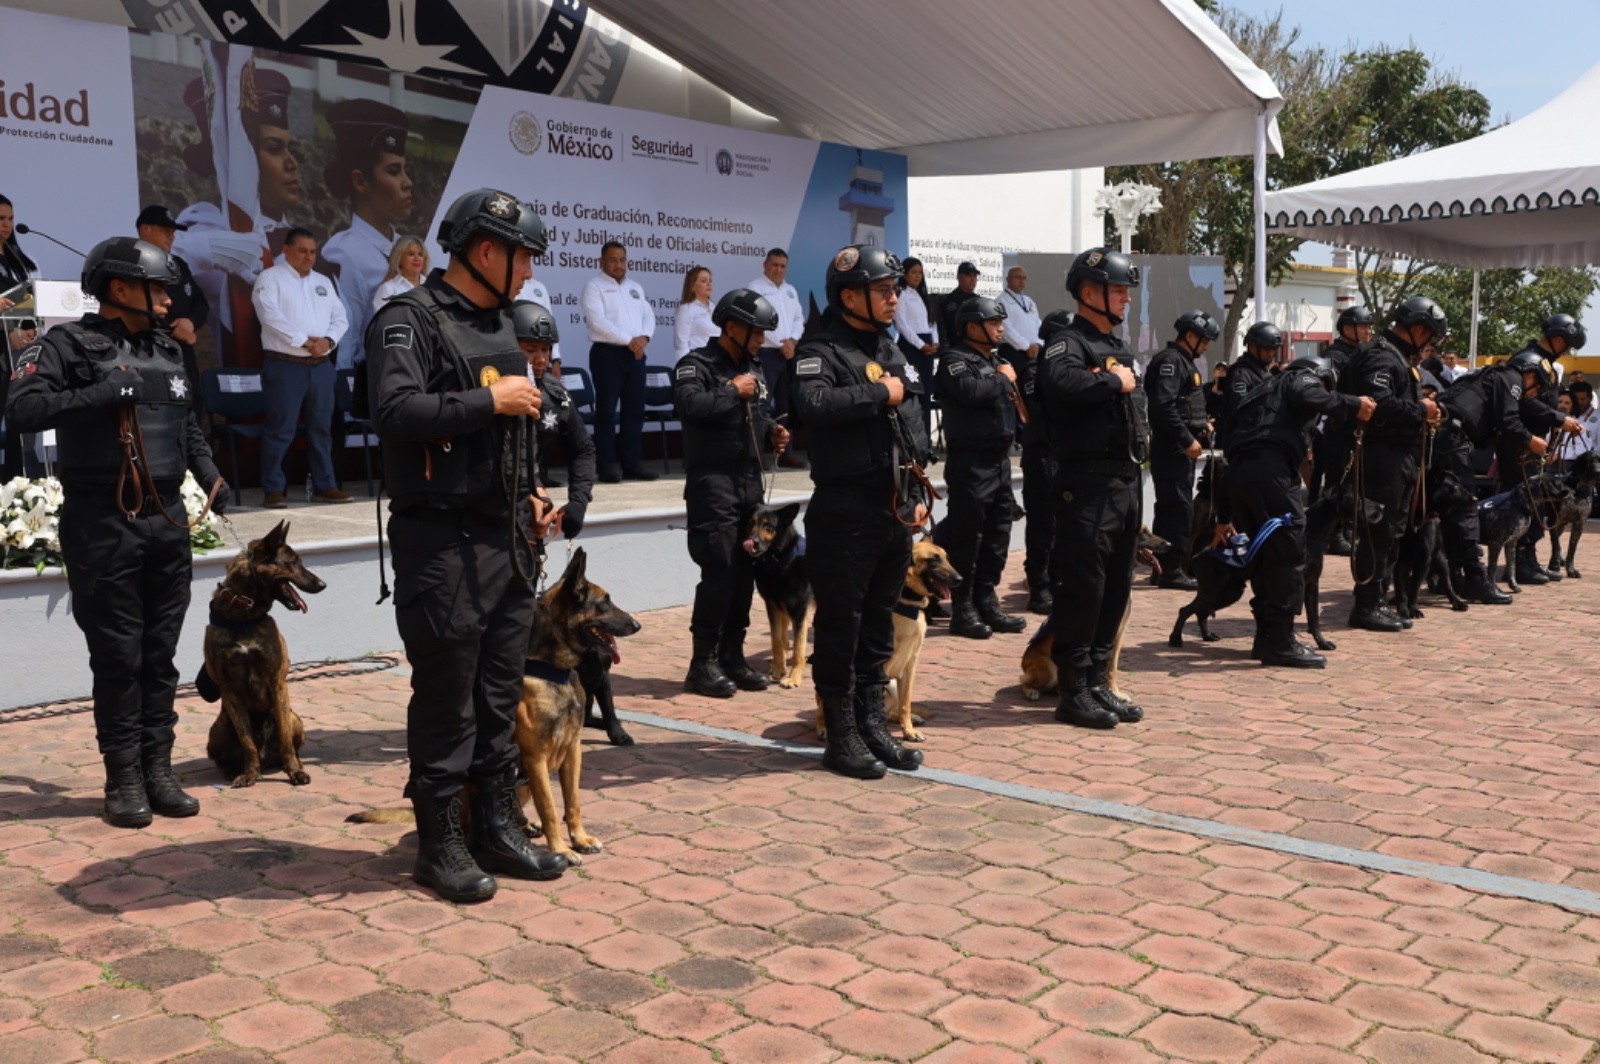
(1512, 304)
(1340, 113)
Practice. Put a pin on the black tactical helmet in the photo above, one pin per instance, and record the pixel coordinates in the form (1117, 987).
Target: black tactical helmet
(1053, 323)
(1420, 310)
(980, 308)
(1322, 368)
(1352, 316)
(498, 214)
(1568, 328)
(752, 308)
(858, 266)
(1101, 266)
(125, 258)
(1534, 362)
(533, 321)
(1264, 335)
(1198, 322)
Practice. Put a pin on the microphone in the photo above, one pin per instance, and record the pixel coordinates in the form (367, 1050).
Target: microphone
(25, 230)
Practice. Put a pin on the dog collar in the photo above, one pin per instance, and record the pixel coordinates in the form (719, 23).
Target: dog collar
(796, 549)
(540, 670)
(220, 621)
(908, 609)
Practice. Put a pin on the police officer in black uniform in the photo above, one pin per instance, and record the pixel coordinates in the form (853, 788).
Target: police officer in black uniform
(560, 421)
(1179, 427)
(190, 309)
(862, 404)
(1039, 474)
(104, 379)
(1481, 409)
(978, 397)
(720, 395)
(1098, 440)
(1262, 342)
(1331, 446)
(1560, 335)
(1386, 370)
(1270, 438)
(452, 403)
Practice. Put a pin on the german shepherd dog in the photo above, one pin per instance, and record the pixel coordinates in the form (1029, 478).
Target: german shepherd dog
(247, 661)
(929, 578)
(1502, 522)
(1582, 479)
(1421, 550)
(1039, 675)
(779, 551)
(1221, 585)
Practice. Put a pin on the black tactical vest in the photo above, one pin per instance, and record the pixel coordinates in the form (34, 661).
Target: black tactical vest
(728, 444)
(1264, 418)
(90, 448)
(1466, 402)
(864, 450)
(977, 428)
(471, 471)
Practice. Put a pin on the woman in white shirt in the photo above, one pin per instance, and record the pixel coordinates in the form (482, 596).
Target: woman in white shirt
(408, 264)
(919, 330)
(1581, 395)
(694, 329)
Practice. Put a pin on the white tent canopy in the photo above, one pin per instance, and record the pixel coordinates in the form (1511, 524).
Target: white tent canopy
(1011, 86)
(1526, 194)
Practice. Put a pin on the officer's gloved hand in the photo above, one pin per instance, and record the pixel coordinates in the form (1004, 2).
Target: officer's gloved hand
(219, 505)
(121, 388)
(572, 520)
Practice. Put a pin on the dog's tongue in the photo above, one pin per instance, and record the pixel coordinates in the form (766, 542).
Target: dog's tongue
(295, 601)
(611, 644)
(750, 547)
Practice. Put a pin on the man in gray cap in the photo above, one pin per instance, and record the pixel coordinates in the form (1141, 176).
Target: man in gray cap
(966, 287)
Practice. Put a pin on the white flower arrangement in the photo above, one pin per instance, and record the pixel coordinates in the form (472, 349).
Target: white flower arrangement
(30, 522)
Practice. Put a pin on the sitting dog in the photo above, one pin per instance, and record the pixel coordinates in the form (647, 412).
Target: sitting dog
(1039, 676)
(1221, 584)
(1420, 552)
(247, 663)
(929, 578)
(573, 617)
(1504, 519)
(779, 551)
(1582, 480)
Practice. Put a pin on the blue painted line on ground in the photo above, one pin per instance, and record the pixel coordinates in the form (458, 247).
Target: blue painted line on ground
(1467, 878)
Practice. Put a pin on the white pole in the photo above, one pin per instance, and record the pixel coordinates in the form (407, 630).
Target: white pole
(1472, 335)
(1261, 214)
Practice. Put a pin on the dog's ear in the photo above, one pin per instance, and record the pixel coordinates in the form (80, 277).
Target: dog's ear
(272, 541)
(574, 579)
(789, 513)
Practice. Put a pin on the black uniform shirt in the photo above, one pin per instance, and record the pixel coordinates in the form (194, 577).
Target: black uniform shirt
(560, 421)
(979, 412)
(1486, 405)
(188, 300)
(1170, 381)
(721, 427)
(1340, 352)
(949, 304)
(1383, 370)
(1089, 415)
(1539, 412)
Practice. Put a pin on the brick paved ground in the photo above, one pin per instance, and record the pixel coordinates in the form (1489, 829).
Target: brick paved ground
(753, 909)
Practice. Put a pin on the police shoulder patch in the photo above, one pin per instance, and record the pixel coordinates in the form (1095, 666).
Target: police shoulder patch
(1056, 349)
(684, 372)
(808, 367)
(29, 355)
(1381, 379)
(955, 367)
(1516, 391)
(1168, 369)
(398, 336)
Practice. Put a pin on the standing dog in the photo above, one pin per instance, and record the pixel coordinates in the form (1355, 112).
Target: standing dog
(1582, 479)
(779, 551)
(248, 663)
(1421, 550)
(1504, 519)
(929, 579)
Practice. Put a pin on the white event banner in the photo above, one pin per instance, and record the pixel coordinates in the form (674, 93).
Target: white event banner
(66, 135)
(675, 192)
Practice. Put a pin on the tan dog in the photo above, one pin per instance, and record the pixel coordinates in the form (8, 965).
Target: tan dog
(929, 576)
(1039, 668)
(779, 550)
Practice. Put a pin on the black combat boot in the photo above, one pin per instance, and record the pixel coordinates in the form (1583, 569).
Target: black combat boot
(989, 612)
(964, 619)
(1340, 544)
(1280, 649)
(872, 721)
(1529, 571)
(736, 668)
(127, 806)
(498, 842)
(705, 674)
(166, 797)
(443, 863)
(1374, 617)
(846, 752)
(1040, 600)
(1477, 587)
(1078, 707)
(1172, 577)
(1100, 690)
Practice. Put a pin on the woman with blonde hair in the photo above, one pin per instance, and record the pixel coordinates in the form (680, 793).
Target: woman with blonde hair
(408, 264)
(694, 329)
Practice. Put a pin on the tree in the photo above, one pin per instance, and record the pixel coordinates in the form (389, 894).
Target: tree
(1340, 113)
(1512, 304)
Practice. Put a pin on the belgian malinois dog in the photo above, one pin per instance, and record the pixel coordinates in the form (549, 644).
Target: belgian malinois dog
(248, 662)
(780, 554)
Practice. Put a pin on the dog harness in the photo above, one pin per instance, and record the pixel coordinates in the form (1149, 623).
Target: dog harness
(541, 670)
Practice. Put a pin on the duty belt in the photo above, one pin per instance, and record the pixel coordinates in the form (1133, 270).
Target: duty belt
(1105, 467)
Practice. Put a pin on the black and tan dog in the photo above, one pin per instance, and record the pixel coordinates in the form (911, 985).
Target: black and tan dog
(247, 662)
(1583, 479)
(929, 578)
(1504, 519)
(779, 551)
(574, 617)
(1039, 676)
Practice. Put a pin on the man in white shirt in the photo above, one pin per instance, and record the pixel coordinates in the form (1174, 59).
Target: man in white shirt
(1020, 339)
(777, 351)
(302, 320)
(1453, 367)
(534, 291)
(620, 321)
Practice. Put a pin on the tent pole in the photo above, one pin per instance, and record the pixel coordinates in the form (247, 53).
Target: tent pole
(1472, 336)
(1261, 214)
